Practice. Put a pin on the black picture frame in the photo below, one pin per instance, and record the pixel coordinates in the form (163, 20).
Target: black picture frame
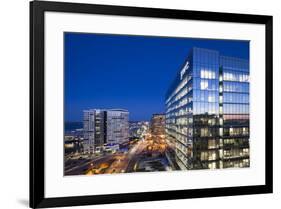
(37, 196)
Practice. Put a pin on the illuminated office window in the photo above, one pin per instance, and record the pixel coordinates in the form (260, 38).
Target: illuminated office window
(221, 131)
(207, 74)
(212, 165)
(204, 85)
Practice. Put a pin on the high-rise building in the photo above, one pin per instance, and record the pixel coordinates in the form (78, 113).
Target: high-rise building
(94, 127)
(157, 124)
(105, 126)
(117, 126)
(207, 111)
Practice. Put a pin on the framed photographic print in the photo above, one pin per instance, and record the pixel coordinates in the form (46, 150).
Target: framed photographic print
(135, 104)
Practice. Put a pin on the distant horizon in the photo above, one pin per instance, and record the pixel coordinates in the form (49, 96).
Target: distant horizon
(128, 72)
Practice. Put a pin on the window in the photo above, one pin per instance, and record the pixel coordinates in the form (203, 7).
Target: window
(220, 131)
(204, 156)
(207, 74)
(236, 98)
(236, 108)
(212, 122)
(211, 98)
(212, 165)
(212, 156)
(212, 144)
(245, 131)
(203, 85)
(231, 132)
(204, 132)
(231, 75)
(237, 131)
(235, 87)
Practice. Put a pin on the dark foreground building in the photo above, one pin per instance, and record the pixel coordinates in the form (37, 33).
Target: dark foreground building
(207, 111)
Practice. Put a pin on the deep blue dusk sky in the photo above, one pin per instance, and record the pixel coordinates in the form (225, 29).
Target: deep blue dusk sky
(128, 72)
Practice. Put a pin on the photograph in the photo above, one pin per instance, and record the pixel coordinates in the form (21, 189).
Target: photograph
(135, 103)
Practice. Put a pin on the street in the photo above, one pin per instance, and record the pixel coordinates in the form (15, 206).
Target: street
(144, 155)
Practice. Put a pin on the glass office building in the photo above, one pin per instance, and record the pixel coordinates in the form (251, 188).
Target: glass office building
(104, 126)
(207, 111)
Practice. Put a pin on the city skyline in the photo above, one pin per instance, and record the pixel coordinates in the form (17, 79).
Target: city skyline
(136, 76)
(204, 124)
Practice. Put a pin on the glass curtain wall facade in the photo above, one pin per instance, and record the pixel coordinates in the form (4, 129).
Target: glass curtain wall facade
(234, 111)
(207, 111)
